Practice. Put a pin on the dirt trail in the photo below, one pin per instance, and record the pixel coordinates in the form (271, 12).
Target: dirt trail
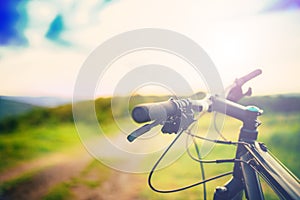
(57, 169)
(119, 186)
(33, 165)
(47, 176)
(122, 186)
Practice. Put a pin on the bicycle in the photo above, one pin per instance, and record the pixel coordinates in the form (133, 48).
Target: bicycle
(251, 158)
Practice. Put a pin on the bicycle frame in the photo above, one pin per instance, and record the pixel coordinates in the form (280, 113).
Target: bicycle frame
(254, 159)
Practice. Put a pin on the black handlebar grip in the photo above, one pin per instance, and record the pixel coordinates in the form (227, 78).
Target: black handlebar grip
(154, 111)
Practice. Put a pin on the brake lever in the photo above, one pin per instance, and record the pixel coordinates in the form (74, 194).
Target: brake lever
(142, 130)
(235, 92)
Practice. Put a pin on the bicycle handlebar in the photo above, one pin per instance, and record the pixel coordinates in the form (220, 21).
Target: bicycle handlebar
(154, 111)
(171, 110)
(178, 114)
(162, 110)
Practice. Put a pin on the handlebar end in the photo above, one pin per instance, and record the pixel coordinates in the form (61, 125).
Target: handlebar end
(131, 138)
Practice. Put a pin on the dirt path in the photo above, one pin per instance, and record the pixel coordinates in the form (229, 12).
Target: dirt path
(122, 186)
(44, 176)
(51, 171)
(119, 186)
(40, 163)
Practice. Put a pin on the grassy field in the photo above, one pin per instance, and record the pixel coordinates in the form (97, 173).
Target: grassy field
(34, 137)
(28, 144)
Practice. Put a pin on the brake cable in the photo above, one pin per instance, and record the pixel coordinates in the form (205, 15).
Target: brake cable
(182, 188)
(230, 160)
(201, 166)
(202, 162)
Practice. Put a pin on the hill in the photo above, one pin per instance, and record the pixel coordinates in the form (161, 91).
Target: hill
(43, 101)
(275, 103)
(38, 116)
(10, 108)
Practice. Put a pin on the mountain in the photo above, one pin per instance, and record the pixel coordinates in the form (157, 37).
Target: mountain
(39, 116)
(17, 105)
(13, 108)
(39, 101)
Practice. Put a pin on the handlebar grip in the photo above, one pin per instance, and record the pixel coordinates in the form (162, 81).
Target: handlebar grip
(154, 111)
(249, 76)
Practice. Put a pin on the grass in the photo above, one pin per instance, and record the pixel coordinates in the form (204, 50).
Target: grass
(281, 133)
(59, 192)
(27, 144)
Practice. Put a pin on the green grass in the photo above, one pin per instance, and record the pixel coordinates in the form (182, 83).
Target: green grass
(59, 192)
(29, 143)
(281, 134)
(23, 145)
(43, 131)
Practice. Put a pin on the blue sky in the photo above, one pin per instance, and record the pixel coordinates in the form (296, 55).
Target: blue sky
(44, 43)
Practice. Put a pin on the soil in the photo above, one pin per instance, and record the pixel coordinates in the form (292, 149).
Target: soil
(58, 169)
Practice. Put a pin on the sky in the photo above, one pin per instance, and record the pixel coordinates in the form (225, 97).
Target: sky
(43, 44)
